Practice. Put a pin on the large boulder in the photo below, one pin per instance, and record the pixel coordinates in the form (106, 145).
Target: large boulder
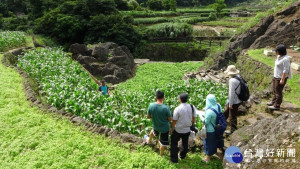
(100, 53)
(78, 49)
(114, 63)
(90, 64)
(109, 45)
(109, 69)
(86, 60)
(111, 79)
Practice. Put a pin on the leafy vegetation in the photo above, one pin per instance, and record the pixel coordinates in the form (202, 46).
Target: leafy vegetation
(193, 20)
(295, 48)
(33, 139)
(162, 4)
(155, 20)
(149, 13)
(172, 30)
(10, 39)
(66, 86)
(219, 5)
(224, 23)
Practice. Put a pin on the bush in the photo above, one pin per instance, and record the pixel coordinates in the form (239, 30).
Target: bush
(193, 20)
(138, 21)
(148, 13)
(87, 21)
(212, 16)
(155, 5)
(113, 28)
(14, 23)
(172, 30)
(162, 5)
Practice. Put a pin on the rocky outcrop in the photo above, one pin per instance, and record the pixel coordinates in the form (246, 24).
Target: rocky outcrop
(268, 133)
(282, 28)
(112, 62)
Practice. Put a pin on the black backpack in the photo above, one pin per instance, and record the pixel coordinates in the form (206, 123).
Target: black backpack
(244, 94)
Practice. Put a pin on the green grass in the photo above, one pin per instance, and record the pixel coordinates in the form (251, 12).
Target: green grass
(258, 54)
(40, 39)
(294, 95)
(33, 139)
(222, 23)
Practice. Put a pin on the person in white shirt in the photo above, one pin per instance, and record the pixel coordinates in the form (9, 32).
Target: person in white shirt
(183, 118)
(282, 72)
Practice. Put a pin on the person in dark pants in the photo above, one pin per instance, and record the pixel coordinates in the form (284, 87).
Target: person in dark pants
(233, 101)
(282, 72)
(210, 143)
(161, 116)
(183, 118)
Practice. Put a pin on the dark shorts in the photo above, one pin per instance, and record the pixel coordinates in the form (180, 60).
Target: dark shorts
(163, 137)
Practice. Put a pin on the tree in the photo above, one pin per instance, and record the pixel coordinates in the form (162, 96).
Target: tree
(122, 4)
(219, 6)
(170, 5)
(133, 4)
(155, 5)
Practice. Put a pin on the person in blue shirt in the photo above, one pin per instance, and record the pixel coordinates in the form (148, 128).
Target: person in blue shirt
(103, 88)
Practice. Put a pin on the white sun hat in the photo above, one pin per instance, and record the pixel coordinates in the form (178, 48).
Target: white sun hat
(231, 70)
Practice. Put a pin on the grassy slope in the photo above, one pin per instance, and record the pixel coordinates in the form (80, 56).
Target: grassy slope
(294, 95)
(32, 139)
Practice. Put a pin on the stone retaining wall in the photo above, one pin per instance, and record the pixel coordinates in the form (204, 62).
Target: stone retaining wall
(258, 75)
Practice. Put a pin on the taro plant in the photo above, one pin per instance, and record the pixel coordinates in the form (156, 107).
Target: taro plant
(67, 86)
(11, 39)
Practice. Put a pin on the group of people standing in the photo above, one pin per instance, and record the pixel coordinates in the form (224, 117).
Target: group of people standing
(184, 116)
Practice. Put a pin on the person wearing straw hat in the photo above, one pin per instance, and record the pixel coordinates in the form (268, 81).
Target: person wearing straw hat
(233, 101)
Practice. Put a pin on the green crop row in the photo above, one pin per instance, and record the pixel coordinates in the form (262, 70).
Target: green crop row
(195, 10)
(66, 86)
(155, 20)
(193, 20)
(148, 13)
(10, 39)
(172, 30)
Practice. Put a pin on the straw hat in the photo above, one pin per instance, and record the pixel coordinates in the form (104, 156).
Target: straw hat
(231, 70)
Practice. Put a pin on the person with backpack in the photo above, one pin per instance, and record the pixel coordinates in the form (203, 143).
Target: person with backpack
(103, 88)
(184, 118)
(215, 124)
(238, 92)
(282, 72)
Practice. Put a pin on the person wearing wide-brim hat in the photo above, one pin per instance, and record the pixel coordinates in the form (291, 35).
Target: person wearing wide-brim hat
(282, 72)
(233, 101)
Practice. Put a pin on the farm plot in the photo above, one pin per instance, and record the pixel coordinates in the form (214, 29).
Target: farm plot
(10, 39)
(66, 86)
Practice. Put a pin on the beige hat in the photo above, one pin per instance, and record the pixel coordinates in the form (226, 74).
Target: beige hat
(231, 70)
